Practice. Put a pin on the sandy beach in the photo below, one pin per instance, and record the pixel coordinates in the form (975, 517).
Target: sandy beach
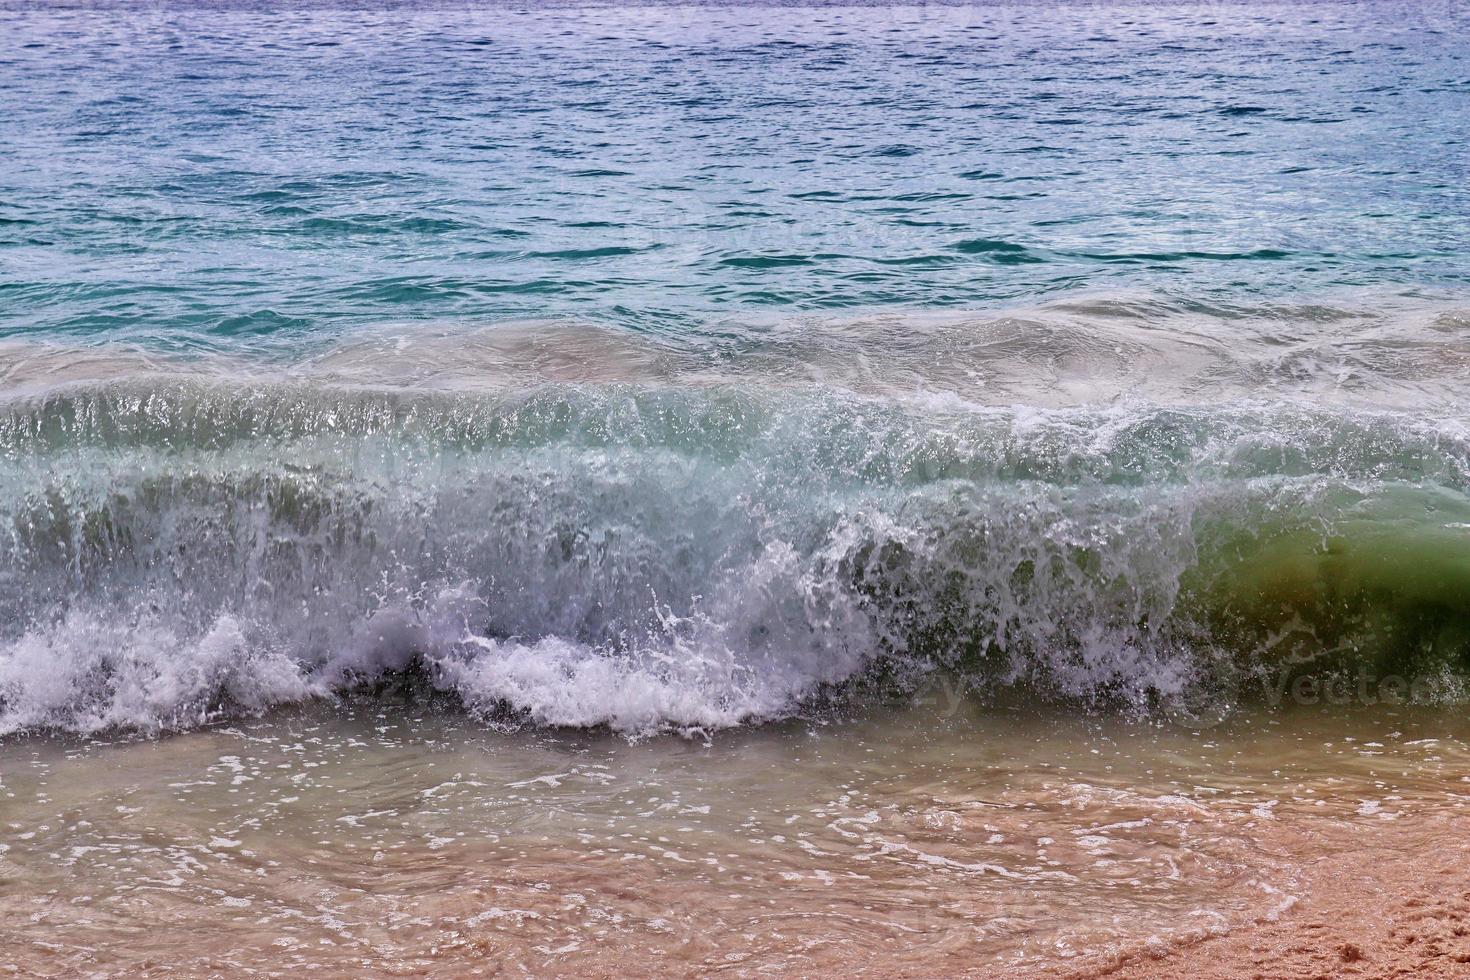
(1392, 903)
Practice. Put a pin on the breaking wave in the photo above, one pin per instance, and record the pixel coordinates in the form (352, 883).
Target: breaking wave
(646, 552)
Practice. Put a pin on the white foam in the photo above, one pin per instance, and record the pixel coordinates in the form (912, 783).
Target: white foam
(648, 557)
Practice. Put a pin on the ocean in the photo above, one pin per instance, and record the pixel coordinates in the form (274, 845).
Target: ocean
(767, 488)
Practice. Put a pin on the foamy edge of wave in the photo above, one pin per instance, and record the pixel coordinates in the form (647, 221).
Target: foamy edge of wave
(1082, 349)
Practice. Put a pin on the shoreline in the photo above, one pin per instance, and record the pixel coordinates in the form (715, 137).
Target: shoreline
(1398, 905)
(393, 837)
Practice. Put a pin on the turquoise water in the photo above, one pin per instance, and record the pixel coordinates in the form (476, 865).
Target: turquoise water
(686, 367)
(223, 175)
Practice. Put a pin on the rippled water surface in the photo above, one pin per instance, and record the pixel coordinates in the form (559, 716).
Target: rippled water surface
(217, 175)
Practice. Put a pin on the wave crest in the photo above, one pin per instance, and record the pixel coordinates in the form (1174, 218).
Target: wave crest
(647, 557)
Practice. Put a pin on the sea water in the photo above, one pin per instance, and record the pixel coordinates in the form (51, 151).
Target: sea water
(404, 387)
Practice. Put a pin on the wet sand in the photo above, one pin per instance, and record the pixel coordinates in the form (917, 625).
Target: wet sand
(406, 839)
(1395, 903)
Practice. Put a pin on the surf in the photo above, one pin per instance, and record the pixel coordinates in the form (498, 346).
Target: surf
(682, 551)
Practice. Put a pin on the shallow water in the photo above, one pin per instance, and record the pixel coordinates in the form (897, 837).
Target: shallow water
(388, 835)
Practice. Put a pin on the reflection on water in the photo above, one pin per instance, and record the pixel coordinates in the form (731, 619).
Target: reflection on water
(400, 836)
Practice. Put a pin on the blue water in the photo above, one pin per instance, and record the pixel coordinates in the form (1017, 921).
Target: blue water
(191, 175)
(677, 368)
